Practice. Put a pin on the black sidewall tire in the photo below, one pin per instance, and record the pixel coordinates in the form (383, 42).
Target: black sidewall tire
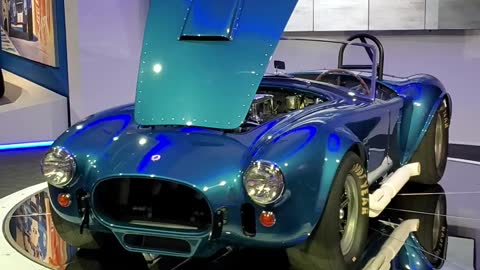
(322, 250)
(425, 154)
(70, 233)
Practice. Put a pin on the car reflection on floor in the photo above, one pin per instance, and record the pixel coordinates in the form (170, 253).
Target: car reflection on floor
(31, 232)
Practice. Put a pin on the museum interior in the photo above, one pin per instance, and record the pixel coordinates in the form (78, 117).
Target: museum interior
(240, 134)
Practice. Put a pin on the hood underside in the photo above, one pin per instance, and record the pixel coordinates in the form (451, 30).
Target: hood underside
(203, 60)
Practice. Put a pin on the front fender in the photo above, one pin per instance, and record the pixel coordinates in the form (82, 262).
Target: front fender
(309, 156)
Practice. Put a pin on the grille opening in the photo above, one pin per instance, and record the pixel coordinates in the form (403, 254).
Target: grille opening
(152, 203)
(157, 243)
(248, 220)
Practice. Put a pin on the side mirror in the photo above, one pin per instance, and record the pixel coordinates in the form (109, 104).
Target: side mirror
(279, 65)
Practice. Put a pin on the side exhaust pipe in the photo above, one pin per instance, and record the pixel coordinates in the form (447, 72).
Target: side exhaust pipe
(390, 188)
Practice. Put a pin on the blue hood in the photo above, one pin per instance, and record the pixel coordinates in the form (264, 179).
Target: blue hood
(203, 60)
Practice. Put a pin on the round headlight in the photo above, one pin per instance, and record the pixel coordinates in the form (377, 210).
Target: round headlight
(264, 182)
(58, 166)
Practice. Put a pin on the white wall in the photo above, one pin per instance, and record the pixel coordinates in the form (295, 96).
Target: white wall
(453, 57)
(104, 43)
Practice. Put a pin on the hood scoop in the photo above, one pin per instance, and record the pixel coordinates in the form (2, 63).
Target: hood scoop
(211, 20)
(203, 60)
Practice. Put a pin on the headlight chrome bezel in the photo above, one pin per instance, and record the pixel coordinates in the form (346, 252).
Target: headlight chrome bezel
(274, 171)
(60, 153)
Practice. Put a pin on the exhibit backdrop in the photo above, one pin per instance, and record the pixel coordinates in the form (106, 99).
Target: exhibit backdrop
(28, 30)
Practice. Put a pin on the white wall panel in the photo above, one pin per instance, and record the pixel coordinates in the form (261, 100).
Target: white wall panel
(457, 14)
(104, 46)
(302, 17)
(431, 14)
(341, 15)
(397, 14)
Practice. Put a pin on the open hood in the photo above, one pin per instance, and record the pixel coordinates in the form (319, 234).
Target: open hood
(203, 60)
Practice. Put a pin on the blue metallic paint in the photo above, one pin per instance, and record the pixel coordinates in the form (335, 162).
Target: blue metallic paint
(209, 98)
(212, 19)
(423, 95)
(308, 145)
(411, 257)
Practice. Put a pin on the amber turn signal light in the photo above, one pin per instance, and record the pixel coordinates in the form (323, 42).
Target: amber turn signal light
(64, 200)
(267, 219)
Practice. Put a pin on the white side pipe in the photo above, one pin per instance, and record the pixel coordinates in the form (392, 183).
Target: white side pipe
(380, 171)
(390, 188)
(390, 249)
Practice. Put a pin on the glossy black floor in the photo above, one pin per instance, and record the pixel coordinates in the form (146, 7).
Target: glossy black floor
(117, 258)
(19, 169)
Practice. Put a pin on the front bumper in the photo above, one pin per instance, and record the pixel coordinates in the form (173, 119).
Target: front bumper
(229, 226)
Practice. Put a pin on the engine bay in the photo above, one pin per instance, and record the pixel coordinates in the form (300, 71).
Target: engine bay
(270, 102)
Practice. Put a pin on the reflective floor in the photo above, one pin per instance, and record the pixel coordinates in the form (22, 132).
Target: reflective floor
(449, 216)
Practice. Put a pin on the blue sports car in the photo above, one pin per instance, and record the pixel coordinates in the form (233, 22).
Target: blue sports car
(215, 154)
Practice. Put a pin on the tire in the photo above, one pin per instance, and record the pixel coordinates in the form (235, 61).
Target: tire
(433, 150)
(431, 210)
(70, 233)
(324, 249)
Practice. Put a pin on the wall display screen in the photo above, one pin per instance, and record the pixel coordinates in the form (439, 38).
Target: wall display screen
(28, 30)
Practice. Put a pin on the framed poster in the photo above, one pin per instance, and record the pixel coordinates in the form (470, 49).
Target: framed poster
(28, 30)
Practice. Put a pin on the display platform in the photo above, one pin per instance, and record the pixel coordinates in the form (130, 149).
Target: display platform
(30, 241)
(42, 114)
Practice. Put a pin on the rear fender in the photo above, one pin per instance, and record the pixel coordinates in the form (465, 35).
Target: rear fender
(422, 100)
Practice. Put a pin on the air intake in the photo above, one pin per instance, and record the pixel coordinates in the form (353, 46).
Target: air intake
(152, 203)
(211, 20)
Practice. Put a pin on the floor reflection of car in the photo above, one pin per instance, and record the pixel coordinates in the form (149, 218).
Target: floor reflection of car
(428, 204)
(18, 14)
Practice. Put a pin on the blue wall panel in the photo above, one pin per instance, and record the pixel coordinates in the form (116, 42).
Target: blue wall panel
(53, 78)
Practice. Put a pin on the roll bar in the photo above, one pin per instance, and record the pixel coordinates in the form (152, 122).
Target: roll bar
(372, 51)
(371, 54)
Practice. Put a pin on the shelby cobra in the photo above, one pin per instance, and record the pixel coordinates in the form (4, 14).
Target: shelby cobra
(214, 155)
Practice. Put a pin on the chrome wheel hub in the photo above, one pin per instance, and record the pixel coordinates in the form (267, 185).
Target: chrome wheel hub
(348, 216)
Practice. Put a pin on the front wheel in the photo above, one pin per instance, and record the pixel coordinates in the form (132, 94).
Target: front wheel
(339, 240)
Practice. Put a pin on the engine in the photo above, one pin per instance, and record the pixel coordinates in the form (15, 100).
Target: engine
(269, 103)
